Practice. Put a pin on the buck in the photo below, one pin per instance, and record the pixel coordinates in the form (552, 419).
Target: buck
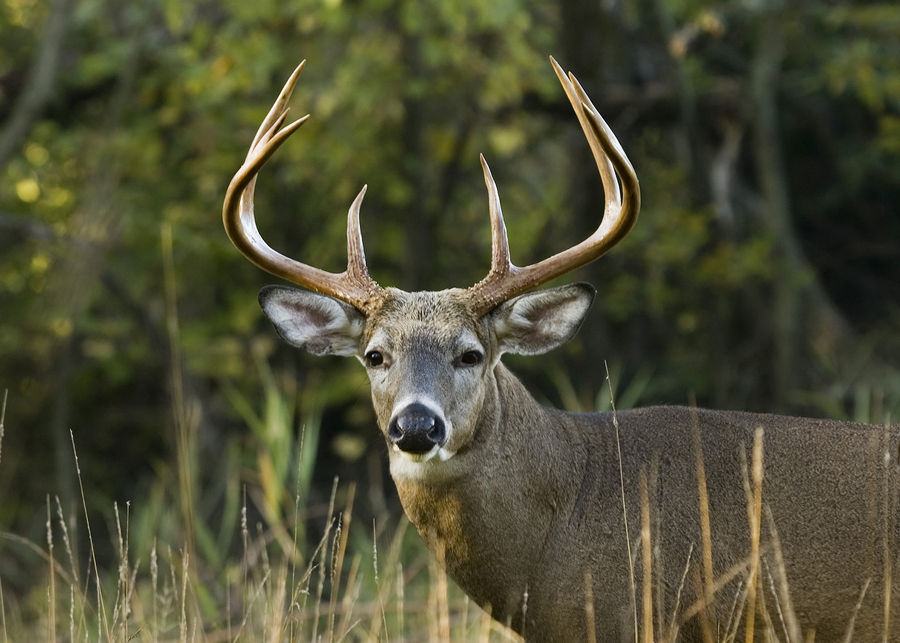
(555, 522)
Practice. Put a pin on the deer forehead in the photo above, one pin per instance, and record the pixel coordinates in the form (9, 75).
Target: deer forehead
(439, 320)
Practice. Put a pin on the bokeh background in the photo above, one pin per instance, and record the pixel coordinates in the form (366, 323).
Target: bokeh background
(763, 273)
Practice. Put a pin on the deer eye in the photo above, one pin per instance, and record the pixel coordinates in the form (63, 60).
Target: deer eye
(374, 358)
(470, 358)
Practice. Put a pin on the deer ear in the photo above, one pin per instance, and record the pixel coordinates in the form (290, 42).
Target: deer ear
(320, 324)
(540, 321)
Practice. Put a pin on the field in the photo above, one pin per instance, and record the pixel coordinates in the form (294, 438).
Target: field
(271, 563)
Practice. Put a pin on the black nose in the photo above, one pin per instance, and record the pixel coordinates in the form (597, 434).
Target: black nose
(416, 429)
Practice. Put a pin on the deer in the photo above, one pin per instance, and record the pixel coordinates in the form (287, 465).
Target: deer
(570, 527)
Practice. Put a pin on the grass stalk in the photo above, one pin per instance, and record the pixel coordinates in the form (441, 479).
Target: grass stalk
(887, 511)
(400, 603)
(295, 554)
(789, 616)
(848, 636)
(443, 604)
(703, 501)
(185, 559)
(646, 561)
(589, 615)
(51, 595)
(672, 631)
(3, 614)
(707, 580)
(702, 605)
(184, 439)
(103, 625)
(755, 515)
(3, 420)
(154, 590)
(320, 590)
(612, 404)
(337, 564)
(377, 586)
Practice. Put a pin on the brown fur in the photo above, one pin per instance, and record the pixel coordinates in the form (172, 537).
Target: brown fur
(540, 505)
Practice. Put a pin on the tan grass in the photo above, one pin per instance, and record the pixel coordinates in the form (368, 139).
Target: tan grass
(754, 515)
(646, 561)
(633, 593)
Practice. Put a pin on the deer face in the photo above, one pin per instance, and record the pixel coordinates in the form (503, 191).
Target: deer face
(429, 359)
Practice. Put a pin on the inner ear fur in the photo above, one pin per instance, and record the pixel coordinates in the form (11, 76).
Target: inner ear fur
(320, 324)
(540, 321)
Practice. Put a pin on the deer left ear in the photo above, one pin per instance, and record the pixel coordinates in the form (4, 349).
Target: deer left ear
(537, 322)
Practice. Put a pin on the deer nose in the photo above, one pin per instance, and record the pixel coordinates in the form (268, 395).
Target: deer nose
(416, 429)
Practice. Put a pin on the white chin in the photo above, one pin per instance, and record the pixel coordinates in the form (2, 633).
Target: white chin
(417, 465)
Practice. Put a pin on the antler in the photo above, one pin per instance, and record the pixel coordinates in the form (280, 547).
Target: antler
(354, 285)
(504, 280)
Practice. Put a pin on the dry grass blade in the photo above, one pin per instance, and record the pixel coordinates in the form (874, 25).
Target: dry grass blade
(734, 614)
(184, 588)
(378, 592)
(440, 589)
(401, 599)
(888, 510)
(672, 631)
(320, 590)
(295, 554)
(848, 636)
(589, 607)
(646, 561)
(101, 608)
(3, 421)
(789, 617)
(51, 596)
(730, 574)
(3, 614)
(612, 403)
(702, 606)
(351, 595)
(154, 580)
(708, 591)
(65, 534)
(755, 514)
(703, 500)
(337, 562)
(484, 635)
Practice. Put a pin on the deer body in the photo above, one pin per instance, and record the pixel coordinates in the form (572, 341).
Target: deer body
(526, 506)
(830, 518)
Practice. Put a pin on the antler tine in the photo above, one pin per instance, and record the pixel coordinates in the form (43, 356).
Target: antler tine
(500, 261)
(356, 254)
(622, 204)
(279, 107)
(354, 285)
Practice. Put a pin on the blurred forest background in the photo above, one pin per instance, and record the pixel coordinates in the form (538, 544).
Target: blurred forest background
(763, 272)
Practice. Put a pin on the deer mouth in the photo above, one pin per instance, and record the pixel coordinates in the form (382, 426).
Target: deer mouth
(438, 451)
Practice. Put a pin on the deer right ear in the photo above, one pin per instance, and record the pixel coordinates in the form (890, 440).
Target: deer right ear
(320, 324)
(537, 322)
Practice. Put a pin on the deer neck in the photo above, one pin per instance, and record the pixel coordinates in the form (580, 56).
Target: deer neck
(504, 503)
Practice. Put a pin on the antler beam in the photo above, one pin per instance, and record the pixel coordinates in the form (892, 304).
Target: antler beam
(504, 280)
(354, 285)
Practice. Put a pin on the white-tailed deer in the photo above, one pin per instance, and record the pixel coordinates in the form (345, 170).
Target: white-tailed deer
(528, 507)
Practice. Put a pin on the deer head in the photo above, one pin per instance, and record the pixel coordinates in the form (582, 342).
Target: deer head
(430, 356)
